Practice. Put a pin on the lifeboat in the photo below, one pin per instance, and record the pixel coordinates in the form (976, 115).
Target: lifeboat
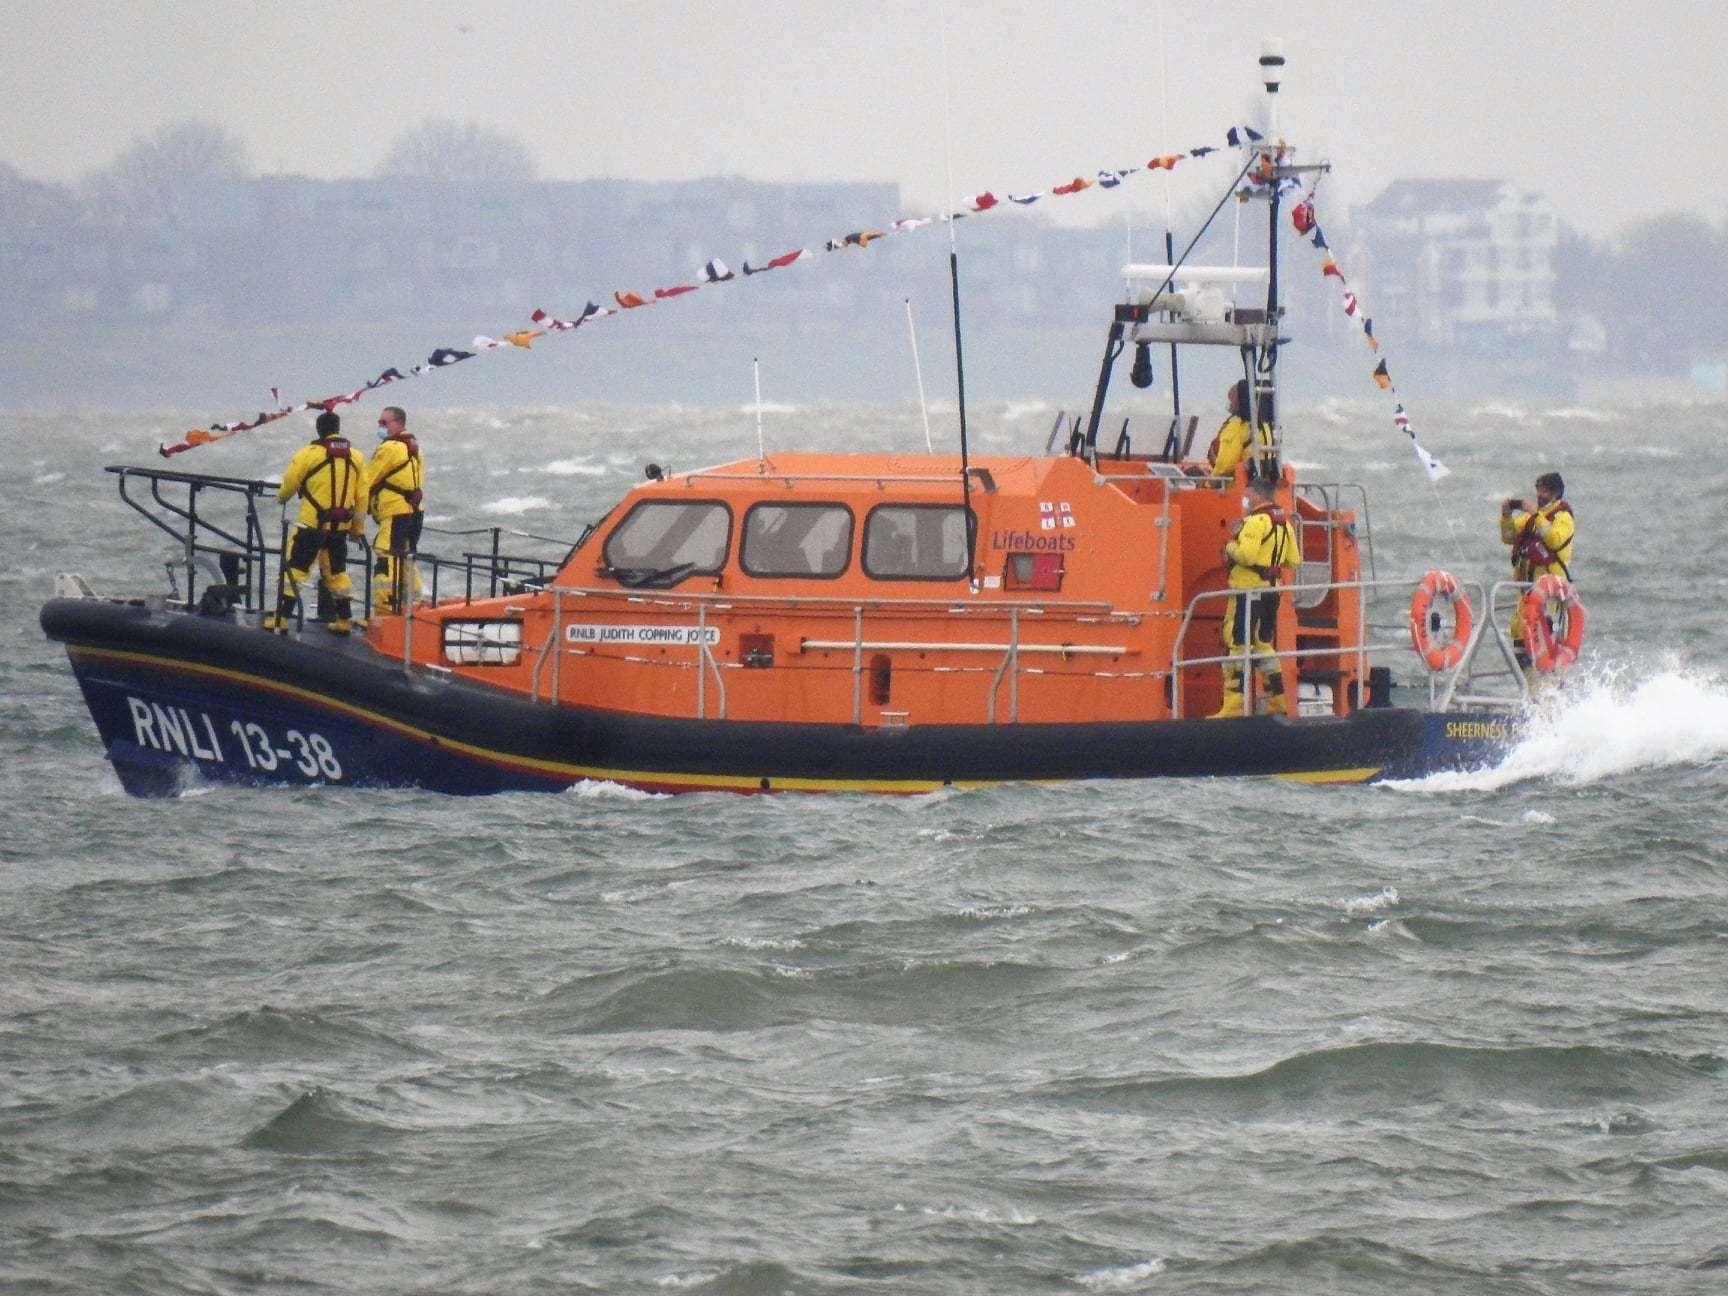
(805, 622)
(891, 623)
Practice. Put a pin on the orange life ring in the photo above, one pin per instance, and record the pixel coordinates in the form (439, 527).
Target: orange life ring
(1423, 622)
(1550, 652)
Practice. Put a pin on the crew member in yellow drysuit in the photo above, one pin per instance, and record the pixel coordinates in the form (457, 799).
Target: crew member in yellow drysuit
(1234, 439)
(329, 476)
(395, 479)
(1262, 550)
(1541, 540)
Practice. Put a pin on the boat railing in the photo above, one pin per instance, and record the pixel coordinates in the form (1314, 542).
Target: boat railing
(489, 572)
(1004, 656)
(206, 533)
(1440, 684)
(1462, 685)
(223, 541)
(228, 560)
(544, 677)
(1332, 499)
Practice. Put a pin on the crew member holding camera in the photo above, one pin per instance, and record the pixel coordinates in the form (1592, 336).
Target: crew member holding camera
(1541, 540)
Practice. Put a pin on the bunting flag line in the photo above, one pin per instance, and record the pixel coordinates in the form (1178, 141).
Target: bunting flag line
(713, 273)
(1306, 222)
(779, 262)
(591, 311)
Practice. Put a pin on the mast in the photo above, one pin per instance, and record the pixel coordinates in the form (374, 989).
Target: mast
(1265, 386)
(959, 355)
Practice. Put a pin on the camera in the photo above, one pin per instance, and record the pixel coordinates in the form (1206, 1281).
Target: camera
(1515, 505)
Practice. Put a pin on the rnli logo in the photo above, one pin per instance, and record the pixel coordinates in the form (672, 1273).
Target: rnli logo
(1054, 514)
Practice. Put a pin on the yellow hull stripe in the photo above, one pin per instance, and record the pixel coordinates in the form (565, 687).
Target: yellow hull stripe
(1331, 776)
(562, 769)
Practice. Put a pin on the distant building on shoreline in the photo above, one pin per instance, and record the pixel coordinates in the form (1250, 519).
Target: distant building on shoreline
(215, 286)
(1462, 264)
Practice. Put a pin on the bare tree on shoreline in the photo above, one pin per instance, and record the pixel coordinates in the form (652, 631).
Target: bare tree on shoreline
(440, 149)
(163, 175)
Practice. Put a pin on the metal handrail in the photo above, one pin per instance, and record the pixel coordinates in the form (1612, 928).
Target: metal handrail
(251, 545)
(1365, 534)
(839, 602)
(1466, 670)
(945, 479)
(1362, 651)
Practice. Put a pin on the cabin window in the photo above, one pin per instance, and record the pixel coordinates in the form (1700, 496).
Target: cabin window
(797, 540)
(482, 643)
(666, 536)
(915, 542)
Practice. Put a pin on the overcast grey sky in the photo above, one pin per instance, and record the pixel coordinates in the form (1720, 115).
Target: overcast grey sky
(1615, 110)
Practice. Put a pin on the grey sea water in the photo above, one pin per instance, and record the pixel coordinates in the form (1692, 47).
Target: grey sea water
(1467, 1035)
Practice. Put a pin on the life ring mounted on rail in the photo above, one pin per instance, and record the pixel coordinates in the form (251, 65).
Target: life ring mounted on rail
(1425, 621)
(1551, 652)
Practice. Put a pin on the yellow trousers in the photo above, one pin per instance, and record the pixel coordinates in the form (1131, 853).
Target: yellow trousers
(1259, 634)
(330, 551)
(395, 578)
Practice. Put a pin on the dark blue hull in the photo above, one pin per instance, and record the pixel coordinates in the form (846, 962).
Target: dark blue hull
(178, 696)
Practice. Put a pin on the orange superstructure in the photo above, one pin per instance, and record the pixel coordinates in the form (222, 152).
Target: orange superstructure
(826, 588)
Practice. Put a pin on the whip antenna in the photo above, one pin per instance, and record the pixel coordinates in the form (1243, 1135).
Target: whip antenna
(918, 369)
(761, 445)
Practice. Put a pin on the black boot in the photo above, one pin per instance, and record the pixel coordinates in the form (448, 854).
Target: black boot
(342, 623)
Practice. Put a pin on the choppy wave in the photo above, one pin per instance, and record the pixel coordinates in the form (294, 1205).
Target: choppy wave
(319, 1122)
(1597, 728)
(1122, 1277)
(573, 468)
(512, 505)
(1347, 1078)
(606, 790)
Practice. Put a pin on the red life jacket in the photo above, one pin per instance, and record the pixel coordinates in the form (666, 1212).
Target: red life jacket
(1528, 551)
(1269, 573)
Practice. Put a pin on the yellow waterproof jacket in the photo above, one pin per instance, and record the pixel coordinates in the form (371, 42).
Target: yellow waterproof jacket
(327, 475)
(395, 477)
(1231, 446)
(1262, 548)
(1541, 541)
(1228, 447)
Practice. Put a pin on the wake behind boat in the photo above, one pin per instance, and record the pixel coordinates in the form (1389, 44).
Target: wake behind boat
(825, 621)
